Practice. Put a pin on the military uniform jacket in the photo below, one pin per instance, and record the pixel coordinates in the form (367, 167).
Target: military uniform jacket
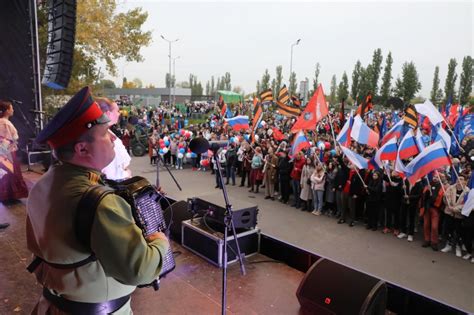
(124, 258)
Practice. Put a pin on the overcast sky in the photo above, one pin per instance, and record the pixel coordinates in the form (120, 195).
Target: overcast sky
(245, 38)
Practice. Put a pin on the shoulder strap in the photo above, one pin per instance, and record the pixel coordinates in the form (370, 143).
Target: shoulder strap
(86, 210)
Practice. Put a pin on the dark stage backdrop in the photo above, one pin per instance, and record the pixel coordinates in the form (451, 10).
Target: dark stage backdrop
(17, 63)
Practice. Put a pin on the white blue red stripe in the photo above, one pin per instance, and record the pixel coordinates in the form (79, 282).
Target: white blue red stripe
(344, 137)
(299, 143)
(238, 122)
(363, 134)
(408, 146)
(395, 132)
(430, 159)
(359, 161)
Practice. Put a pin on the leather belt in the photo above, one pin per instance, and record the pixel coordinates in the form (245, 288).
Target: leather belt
(83, 308)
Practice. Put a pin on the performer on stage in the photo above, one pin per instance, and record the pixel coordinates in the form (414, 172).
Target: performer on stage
(12, 185)
(118, 168)
(103, 276)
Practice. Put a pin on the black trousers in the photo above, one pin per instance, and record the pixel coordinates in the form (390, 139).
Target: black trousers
(373, 213)
(453, 230)
(407, 218)
(285, 188)
(245, 174)
(393, 215)
(467, 232)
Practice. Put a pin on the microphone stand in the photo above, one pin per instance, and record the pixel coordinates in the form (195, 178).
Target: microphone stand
(158, 173)
(229, 224)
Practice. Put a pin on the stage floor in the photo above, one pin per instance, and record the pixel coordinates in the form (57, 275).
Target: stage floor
(268, 288)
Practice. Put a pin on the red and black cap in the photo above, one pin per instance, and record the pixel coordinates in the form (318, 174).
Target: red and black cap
(80, 114)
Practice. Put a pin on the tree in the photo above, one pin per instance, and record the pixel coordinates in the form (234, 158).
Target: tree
(238, 89)
(274, 89)
(375, 70)
(343, 88)
(107, 84)
(150, 86)
(138, 83)
(293, 85)
(218, 86)
(213, 87)
(450, 82)
(465, 84)
(316, 77)
(436, 95)
(278, 79)
(208, 88)
(227, 84)
(101, 41)
(409, 85)
(258, 88)
(355, 80)
(387, 78)
(365, 77)
(265, 83)
(332, 97)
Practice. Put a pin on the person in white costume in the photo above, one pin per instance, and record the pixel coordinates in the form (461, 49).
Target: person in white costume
(118, 168)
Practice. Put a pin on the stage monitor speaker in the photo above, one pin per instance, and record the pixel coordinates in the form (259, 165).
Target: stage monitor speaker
(331, 288)
(61, 36)
(174, 215)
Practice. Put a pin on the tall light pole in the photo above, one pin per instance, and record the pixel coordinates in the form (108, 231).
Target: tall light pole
(291, 60)
(174, 77)
(169, 42)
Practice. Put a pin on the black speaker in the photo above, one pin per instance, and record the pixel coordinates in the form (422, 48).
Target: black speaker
(174, 215)
(61, 36)
(331, 288)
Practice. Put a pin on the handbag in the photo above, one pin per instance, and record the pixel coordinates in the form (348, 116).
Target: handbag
(308, 181)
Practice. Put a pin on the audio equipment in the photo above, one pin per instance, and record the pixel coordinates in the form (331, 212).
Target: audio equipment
(331, 288)
(61, 37)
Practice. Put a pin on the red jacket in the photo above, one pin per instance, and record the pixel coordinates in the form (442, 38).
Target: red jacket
(297, 168)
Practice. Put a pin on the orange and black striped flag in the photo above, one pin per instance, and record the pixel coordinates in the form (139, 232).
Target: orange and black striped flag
(366, 106)
(411, 116)
(283, 95)
(296, 101)
(257, 118)
(288, 111)
(266, 96)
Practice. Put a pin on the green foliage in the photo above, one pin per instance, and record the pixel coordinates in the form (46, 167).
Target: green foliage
(170, 82)
(409, 85)
(316, 77)
(387, 79)
(333, 89)
(465, 87)
(196, 87)
(278, 80)
(265, 83)
(208, 88)
(436, 95)
(365, 79)
(355, 80)
(293, 86)
(451, 80)
(227, 82)
(375, 69)
(107, 84)
(343, 88)
(258, 87)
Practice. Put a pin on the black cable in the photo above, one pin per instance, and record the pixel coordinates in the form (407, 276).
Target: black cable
(267, 261)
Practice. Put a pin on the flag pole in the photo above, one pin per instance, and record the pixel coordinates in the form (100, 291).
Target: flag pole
(452, 132)
(357, 171)
(442, 187)
(332, 130)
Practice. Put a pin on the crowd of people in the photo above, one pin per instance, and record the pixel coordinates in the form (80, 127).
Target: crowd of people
(322, 181)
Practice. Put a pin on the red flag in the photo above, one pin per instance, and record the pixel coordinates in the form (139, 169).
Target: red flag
(365, 106)
(316, 109)
(277, 134)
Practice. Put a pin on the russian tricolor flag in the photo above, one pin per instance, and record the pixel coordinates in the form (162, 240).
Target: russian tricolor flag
(359, 161)
(394, 132)
(363, 134)
(344, 137)
(408, 146)
(430, 159)
(299, 143)
(238, 122)
(387, 152)
(469, 200)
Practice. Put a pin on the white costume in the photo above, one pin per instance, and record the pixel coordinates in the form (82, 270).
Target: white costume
(118, 168)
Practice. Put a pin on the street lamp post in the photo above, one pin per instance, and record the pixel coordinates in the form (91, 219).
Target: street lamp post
(174, 77)
(291, 59)
(169, 56)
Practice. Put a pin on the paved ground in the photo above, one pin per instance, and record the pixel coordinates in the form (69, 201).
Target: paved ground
(441, 276)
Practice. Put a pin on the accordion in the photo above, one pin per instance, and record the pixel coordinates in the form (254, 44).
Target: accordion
(144, 200)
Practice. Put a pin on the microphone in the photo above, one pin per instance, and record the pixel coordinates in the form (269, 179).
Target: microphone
(199, 145)
(15, 101)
